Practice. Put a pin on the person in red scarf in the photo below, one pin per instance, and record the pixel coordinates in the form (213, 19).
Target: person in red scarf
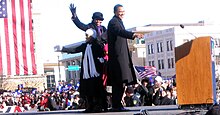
(43, 103)
(25, 101)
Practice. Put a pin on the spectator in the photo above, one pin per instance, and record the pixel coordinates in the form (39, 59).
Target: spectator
(131, 99)
(161, 98)
(146, 90)
(52, 105)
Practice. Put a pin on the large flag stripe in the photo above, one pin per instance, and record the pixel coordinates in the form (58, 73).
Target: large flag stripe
(33, 63)
(9, 47)
(2, 49)
(17, 45)
(24, 68)
(1, 69)
(15, 36)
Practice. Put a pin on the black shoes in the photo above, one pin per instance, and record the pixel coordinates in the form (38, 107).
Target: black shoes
(95, 110)
(98, 110)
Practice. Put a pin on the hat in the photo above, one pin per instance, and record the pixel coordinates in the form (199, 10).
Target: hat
(91, 32)
(159, 79)
(130, 90)
(145, 80)
(97, 16)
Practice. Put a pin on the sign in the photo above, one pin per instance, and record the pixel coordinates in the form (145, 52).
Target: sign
(73, 67)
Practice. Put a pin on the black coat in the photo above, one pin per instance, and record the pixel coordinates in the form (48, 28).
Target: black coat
(120, 63)
(91, 86)
(159, 100)
(92, 25)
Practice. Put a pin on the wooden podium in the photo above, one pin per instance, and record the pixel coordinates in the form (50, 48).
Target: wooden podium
(195, 72)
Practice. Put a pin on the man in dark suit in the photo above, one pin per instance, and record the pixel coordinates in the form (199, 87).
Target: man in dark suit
(121, 71)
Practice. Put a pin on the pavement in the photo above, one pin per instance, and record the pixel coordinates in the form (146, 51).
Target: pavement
(141, 110)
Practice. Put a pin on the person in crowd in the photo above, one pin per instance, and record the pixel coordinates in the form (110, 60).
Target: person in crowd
(91, 83)
(60, 86)
(130, 99)
(158, 81)
(161, 98)
(43, 103)
(146, 90)
(121, 71)
(52, 105)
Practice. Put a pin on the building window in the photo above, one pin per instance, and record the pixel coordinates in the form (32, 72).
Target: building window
(172, 62)
(159, 47)
(142, 41)
(160, 64)
(51, 81)
(151, 63)
(169, 63)
(168, 46)
(150, 49)
(171, 45)
(137, 41)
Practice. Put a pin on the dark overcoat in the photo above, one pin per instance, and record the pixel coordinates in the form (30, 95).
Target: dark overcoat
(120, 63)
(92, 25)
(92, 86)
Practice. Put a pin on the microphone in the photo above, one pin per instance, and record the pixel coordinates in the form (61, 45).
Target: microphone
(182, 26)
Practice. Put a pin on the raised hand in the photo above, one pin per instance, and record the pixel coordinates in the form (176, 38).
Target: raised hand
(73, 9)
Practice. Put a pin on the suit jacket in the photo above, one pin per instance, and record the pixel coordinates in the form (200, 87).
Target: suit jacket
(120, 63)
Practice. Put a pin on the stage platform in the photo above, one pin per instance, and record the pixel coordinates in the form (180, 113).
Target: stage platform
(141, 110)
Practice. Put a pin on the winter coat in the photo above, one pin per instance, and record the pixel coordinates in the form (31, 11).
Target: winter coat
(120, 62)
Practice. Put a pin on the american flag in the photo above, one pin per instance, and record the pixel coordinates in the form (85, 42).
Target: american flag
(16, 38)
(145, 71)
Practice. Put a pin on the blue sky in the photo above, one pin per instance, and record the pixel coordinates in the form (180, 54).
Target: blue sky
(57, 27)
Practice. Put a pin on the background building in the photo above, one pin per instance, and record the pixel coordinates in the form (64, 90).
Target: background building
(158, 46)
(161, 40)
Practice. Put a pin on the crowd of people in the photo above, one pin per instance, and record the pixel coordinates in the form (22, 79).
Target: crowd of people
(64, 97)
(148, 93)
(67, 97)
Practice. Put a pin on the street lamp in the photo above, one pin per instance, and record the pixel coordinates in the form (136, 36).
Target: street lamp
(58, 59)
(143, 59)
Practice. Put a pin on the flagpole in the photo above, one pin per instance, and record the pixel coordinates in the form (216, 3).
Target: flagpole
(1, 80)
(143, 59)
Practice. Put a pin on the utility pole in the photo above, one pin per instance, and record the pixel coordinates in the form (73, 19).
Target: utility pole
(143, 59)
(58, 59)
